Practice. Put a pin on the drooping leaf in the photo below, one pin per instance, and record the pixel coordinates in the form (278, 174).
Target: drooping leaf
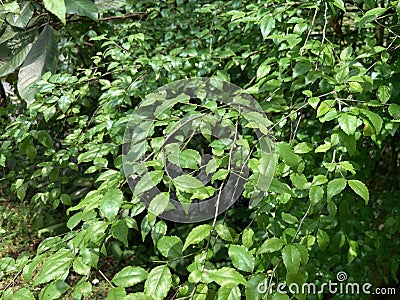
(360, 189)
(291, 258)
(267, 24)
(41, 58)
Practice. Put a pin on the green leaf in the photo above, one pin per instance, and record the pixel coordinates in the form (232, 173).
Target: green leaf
(360, 189)
(384, 93)
(291, 258)
(119, 230)
(41, 59)
(303, 148)
(322, 239)
(370, 16)
(16, 60)
(158, 282)
(80, 267)
(227, 234)
(111, 202)
(335, 187)
(288, 218)
(303, 253)
(227, 277)
(129, 276)
(148, 181)
(339, 4)
(159, 203)
(394, 111)
(247, 237)
(316, 194)
(54, 290)
(375, 119)
(225, 293)
(170, 246)
(84, 8)
(117, 293)
(263, 70)
(23, 294)
(138, 296)
(242, 259)
(197, 235)
(187, 183)
(286, 153)
(348, 123)
(186, 159)
(54, 266)
(267, 24)
(271, 245)
(57, 8)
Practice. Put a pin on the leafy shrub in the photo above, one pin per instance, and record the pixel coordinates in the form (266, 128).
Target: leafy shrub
(324, 72)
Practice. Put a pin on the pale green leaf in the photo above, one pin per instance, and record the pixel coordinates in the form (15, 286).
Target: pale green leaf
(57, 8)
(158, 282)
(129, 276)
(242, 259)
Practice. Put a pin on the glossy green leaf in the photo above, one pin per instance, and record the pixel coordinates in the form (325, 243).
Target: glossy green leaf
(335, 186)
(197, 234)
(360, 189)
(271, 245)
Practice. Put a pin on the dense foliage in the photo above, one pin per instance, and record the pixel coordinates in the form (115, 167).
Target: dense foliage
(326, 73)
